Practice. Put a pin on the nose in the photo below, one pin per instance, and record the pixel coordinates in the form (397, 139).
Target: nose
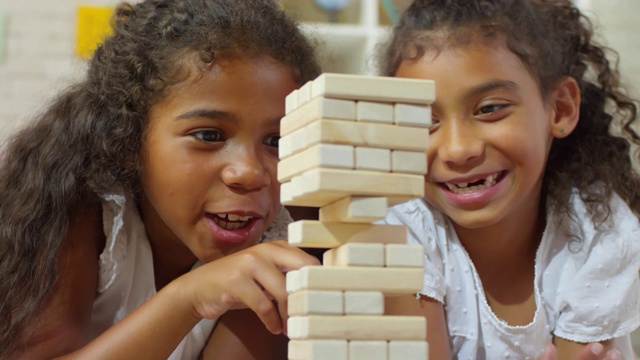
(459, 143)
(246, 170)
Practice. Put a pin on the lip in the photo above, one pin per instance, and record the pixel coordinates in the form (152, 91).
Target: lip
(474, 198)
(238, 236)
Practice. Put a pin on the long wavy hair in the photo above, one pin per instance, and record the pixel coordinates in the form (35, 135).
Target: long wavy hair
(88, 140)
(553, 40)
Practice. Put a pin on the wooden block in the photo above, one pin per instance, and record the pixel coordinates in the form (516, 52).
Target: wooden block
(292, 281)
(355, 254)
(409, 162)
(408, 350)
(285, 146)
(387, 280)
(291, 102)
(404, 255)
(355, 209)
(373, 159)
(315, 234)
(321, 186)
(286, 192)
(382, 136)
(378, 112)
(363, 302)
(317, 108)
(315, 302)
(304, 94)
(357, 327)
(320, 155)
(412, 115)
(368, 350)
(318, 349)
(374, 88)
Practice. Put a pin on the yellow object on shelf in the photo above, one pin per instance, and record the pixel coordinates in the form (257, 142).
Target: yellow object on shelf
(92, 27)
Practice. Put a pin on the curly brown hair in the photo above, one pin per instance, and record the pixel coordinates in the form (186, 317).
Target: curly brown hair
(88, 140)
(553, 39)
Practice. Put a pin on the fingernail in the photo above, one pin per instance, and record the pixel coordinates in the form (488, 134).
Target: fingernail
(597, 349)
(615, 355)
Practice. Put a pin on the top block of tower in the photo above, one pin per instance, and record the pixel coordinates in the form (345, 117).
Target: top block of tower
(374, 88)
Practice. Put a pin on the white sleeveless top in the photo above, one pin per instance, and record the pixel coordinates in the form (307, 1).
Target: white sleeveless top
(126, 276)
(585, 291)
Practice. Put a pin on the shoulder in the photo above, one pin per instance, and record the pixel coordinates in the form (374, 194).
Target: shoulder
(595, 291)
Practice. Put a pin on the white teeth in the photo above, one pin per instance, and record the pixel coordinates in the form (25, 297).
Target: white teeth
(234, 217)
(463, 187)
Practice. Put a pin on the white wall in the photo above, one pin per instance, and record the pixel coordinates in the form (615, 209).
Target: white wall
(38, 56)
(39, 44)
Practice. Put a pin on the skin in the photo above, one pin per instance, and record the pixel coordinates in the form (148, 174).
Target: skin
(491, 119)
(211, 148)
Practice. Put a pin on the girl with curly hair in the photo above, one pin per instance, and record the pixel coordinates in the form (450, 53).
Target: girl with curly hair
(132, 208)
(530, 218)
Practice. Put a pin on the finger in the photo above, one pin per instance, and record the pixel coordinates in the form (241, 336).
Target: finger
(252, 295)
(550, 353)
(613, 355)
(592, 351)
(286, 257)
(274, 283)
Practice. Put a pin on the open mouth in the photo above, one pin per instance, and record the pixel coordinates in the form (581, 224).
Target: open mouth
(478, 185)
(231, 221)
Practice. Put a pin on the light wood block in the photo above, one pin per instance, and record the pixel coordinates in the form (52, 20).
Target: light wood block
(404, 255)
(355, 254)
(368, 350)
(383, 136)
(304, 93)
(412, 115)
(409, 162)
(292, 143)
(367, 111)
(355, 209)
(317, 108)
(291, 102)
(373, 159)
(292, 281)
(408, 350)
(363, 302)
(321, 186)
(316, 302)
(374, 88)
(318, 350)
(287, 192)
(387, 280)
(315, 234)
(320, 155)
(357, 327)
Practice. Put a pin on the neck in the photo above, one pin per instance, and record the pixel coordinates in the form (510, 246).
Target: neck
(504, 253)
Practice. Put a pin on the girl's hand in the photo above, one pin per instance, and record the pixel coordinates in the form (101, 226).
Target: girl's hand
(593, 351)
(253, 278)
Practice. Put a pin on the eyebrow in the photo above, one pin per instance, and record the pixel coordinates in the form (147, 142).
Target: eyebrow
(218, 115)
(493, 85)
(209, 114)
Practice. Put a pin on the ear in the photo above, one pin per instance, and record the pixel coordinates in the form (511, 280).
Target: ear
(565, 107)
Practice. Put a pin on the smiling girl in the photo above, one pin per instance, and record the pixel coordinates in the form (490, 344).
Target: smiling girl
(131, 210)
(530, 218)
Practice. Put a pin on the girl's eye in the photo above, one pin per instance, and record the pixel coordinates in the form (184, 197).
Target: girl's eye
(208, 135)
(434, 124)
(272, 140)
(491, 108)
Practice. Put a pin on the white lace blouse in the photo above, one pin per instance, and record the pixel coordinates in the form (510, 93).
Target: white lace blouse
(585, 291)
(126, 276)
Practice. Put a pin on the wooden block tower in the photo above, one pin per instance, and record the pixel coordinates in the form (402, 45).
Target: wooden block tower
(353, 145)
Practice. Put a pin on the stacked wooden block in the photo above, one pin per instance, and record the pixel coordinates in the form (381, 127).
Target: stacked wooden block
(353, 145)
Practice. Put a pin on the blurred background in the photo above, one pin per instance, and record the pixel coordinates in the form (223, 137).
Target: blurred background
(44, 43)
